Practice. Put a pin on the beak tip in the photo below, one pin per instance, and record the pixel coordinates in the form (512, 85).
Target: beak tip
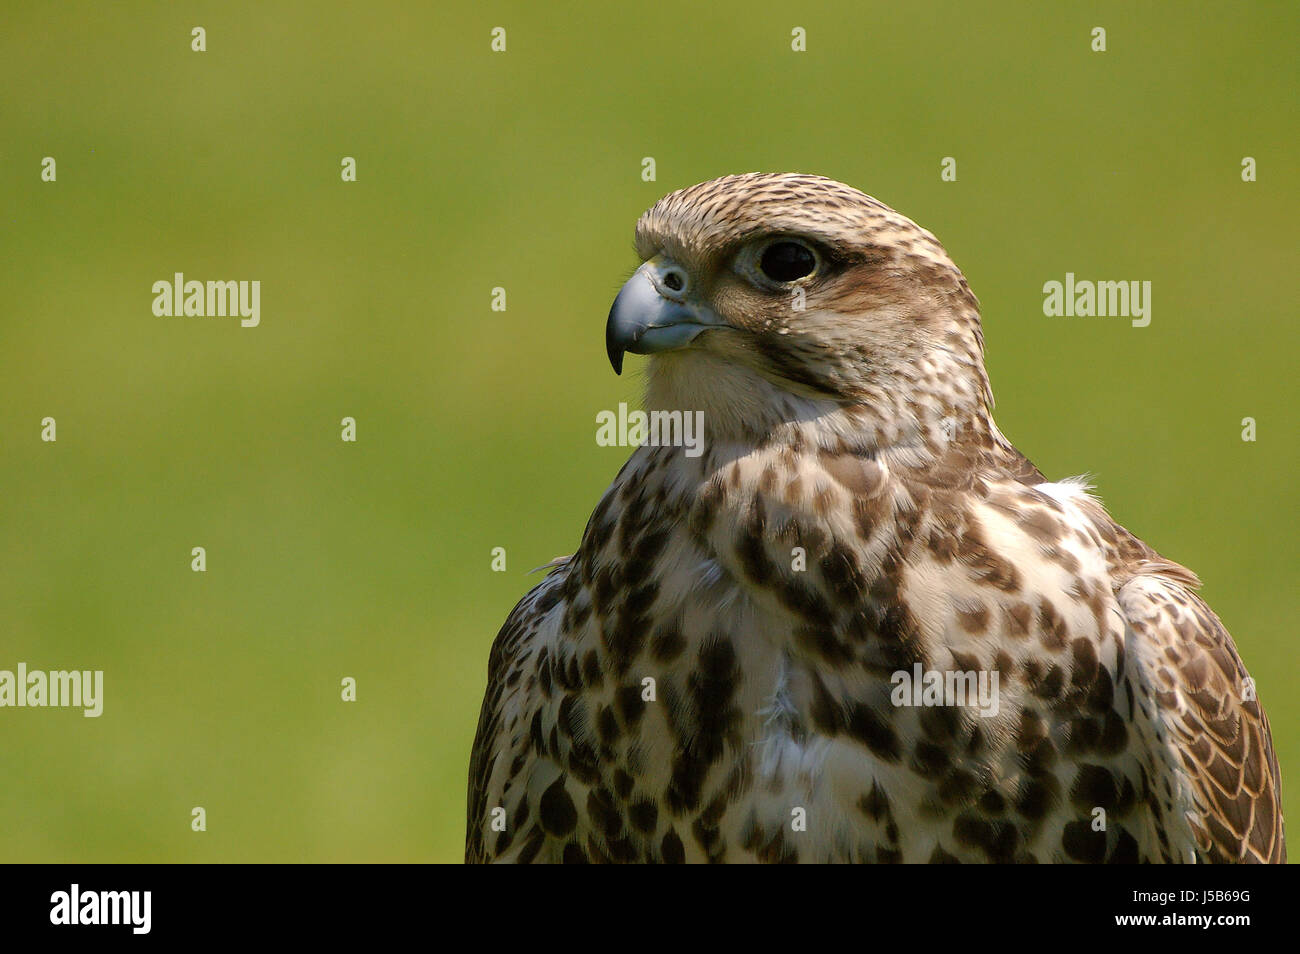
(614, 347)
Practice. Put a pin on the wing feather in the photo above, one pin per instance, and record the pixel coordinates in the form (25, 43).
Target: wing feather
(1216, 762)
(503, 725)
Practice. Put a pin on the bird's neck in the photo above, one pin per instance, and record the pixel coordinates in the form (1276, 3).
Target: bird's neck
(920, 418)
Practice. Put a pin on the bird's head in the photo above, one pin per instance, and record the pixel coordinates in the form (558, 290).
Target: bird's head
(767, 297)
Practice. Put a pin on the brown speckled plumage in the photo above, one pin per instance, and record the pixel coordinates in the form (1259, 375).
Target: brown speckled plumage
(709, 677)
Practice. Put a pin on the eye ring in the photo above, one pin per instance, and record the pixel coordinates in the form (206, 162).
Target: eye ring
(785, 260)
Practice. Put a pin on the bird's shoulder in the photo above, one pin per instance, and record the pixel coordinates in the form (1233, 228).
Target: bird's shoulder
(1194, 718)
(504, 718)
(1214, 760)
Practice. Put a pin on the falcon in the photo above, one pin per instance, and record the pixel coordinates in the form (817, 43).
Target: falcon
(856, 625)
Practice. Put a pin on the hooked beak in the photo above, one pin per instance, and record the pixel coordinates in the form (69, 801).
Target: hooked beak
(651, 315)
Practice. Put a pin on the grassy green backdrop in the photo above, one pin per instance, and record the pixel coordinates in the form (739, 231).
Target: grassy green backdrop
(476, 428)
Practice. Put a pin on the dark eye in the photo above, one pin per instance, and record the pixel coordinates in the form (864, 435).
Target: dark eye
(787, 261)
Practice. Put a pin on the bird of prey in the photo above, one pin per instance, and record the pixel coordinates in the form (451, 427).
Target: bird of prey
(769, 650)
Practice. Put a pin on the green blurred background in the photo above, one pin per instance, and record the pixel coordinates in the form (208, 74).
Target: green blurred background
(476, 428)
